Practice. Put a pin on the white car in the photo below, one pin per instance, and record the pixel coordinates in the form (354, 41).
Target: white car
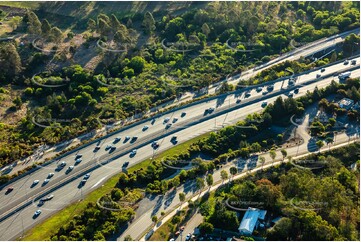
(46, 181)
(86, 177)
(50, 175)
(166, 120)
(188, 237)
(35, 182)
(133, 152)
(37, 212)
(78, 161)
(70, 168)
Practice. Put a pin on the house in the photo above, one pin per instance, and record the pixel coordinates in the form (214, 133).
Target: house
(251, 220)
(346, 103)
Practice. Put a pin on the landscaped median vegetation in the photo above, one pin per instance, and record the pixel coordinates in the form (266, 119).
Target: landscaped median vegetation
(218, 148)
(162, 55)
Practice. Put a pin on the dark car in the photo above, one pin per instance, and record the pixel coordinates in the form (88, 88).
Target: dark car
(9, 189)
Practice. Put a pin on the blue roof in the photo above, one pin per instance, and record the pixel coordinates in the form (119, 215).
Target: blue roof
(250, 219)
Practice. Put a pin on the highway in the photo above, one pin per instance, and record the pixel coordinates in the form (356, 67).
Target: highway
(292, 55)
(138, 226)
(13, 226)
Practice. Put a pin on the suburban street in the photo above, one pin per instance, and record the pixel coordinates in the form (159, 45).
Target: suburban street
(64, 186)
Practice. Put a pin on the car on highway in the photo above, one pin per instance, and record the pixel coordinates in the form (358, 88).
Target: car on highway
(133, 153)
(264, 104)
(70, 168)
(166, 120)
(50, 175)
(270, 88)
(173, 140)
(35, 182)
(168, 126)
(155, 145)
(46, 181)
(133, 139)
(126, 164)
(259, 89)
(183, 114)
(175, 120)
(323, 69)
(346, 62)
(264, 92)
(247, 94)
(291, 82)
(353, 62)
(78, 156)
(82, 183)
(77, 161)
(46, 198)
(290, 94)
(8, 190)
(145, 127)
(127, 138)
(116, 140)
(296, 90)
(112, 148)
(96, 148)
(86, 177)
(318, 75)
(37, 213)
(62, 164)
(108, 147)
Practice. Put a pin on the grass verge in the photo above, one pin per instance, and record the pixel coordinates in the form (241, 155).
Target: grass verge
(44, 230)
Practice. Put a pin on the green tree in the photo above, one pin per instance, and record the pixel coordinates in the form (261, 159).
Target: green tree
(128, 238)
(148, 23)
(233, 171)
(92, 25)
(262, 160)
(200, 183)
(205, 29)
(34, 25)
(319, 144)
(284, 153)
(272, 154)
(137, 64)
(56, 35)
(209, 180)
(45, 27)
(182, 197)
(206, 228)
(224, 175)
(155, 219)
(10, 61)
(14, 22)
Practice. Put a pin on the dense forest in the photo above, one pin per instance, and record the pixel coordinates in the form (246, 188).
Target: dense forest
(161, 57)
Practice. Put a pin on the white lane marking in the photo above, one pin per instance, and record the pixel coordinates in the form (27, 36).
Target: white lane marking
(96, 184)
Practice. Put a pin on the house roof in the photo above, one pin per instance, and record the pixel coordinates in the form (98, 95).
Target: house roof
(250, 219)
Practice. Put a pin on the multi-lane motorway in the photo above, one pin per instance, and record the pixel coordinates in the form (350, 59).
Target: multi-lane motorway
(65, 193)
